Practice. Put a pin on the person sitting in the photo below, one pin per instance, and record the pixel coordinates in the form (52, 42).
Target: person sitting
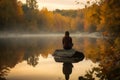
(67, 41)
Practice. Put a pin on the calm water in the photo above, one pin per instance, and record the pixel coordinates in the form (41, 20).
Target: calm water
(31, 58)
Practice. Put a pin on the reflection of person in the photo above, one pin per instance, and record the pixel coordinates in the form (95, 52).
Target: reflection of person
(67, 70)
(67, 41)
(82, 78)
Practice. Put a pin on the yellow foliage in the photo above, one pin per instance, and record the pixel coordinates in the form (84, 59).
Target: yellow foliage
(19, 8)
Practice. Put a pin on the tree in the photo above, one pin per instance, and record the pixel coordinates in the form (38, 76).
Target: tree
(8, 13)
(110, 18)
(32, 4)
(30, 19)
(45, 20)
(92, 17)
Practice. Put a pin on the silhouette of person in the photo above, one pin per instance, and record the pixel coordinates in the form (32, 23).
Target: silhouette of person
(67, 41)
(67, 70)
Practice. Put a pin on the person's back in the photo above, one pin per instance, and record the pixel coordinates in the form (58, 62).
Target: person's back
(67, 41)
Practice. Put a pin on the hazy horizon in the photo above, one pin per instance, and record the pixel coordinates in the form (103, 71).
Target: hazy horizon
(52, 5)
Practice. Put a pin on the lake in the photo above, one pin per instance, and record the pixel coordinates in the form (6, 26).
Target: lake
(30, 57)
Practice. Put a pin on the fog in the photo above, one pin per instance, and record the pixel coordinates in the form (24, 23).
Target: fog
(21, 35)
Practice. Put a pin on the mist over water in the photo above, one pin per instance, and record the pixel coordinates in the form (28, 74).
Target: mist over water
(18, 35)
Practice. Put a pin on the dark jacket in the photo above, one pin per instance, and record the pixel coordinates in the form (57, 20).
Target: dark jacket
(67, 42)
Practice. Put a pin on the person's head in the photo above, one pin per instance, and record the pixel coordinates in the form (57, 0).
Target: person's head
(67, 33)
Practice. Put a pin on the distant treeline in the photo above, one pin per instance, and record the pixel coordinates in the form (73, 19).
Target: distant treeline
(16, 16)
(69, 13)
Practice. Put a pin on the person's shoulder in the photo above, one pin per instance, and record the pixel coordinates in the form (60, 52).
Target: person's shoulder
(64, 37)
(70, 37)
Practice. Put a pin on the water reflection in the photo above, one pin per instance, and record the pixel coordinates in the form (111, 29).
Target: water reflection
(13, 53)
(67, 70)
(93, 73)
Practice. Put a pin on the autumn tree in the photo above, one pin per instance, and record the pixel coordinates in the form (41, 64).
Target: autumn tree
(9, 14)
(62, 23)
(45, 20)
(110, 23)
(92, 18)
(79, 20)
(110, 18)
(30, 18)
(105, 17)
(68, 13)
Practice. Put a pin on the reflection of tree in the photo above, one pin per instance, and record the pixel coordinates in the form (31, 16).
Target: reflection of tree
(102, 73)
(114, 73)
(49, 47)
(3, 72)
(33, 60)
(91, 49)
(90, 75)
(67, 70)
(31, 56)
(9, 57)
(106, 54)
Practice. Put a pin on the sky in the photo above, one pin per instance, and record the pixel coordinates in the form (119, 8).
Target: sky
(60, 4)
